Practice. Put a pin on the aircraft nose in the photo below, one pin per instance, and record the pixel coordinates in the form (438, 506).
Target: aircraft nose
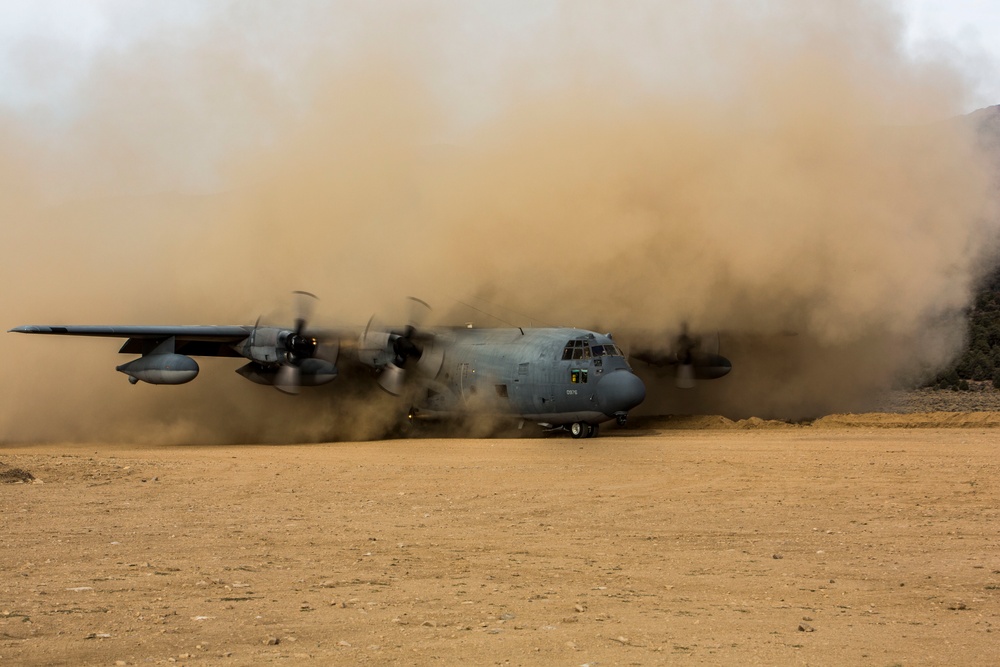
(619, 391)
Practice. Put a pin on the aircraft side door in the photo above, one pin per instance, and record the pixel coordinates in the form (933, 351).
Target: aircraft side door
(542, 383)
(520, 389)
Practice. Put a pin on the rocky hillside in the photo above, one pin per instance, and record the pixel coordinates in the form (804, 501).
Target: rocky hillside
(987, 122)
(981, 359)
(980, 363)
(978, 368)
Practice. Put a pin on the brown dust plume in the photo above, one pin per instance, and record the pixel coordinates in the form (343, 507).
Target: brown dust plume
(783, 174)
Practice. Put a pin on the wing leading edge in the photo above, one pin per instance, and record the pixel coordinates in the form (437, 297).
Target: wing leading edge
(192, 340)
(186, 332)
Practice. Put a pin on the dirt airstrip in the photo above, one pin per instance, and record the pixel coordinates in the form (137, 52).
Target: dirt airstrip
(858, 540)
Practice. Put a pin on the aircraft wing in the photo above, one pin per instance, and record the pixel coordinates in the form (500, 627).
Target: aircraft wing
(194, 340)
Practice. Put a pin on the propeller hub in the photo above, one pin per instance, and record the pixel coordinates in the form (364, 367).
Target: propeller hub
(404, 349)
(301, 347)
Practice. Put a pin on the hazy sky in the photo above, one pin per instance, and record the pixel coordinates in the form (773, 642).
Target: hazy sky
(47, 47)
(969, 27)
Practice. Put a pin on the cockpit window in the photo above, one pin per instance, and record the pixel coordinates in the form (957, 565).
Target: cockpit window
(575, 350)
(582, 349)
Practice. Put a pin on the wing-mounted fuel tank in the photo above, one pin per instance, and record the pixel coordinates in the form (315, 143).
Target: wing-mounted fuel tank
(160, 365)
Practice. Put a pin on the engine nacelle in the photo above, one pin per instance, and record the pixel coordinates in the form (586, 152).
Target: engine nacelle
(312, 372)
(375, 348)
(160, 369)
(711, 366)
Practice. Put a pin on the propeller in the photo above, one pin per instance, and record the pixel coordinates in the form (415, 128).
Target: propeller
(301, 347)
(305, 304)
(698, 358)
(411, 347)
(431, 356)
(289, 379)
(692, 357)
(686, 347)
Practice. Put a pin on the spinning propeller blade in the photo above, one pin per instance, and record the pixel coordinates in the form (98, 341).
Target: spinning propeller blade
(305, 303)
(414, 346)
(289, 379)
(300, 346)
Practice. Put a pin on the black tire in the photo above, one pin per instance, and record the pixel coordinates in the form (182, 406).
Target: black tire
(578, 429)
(593, 430)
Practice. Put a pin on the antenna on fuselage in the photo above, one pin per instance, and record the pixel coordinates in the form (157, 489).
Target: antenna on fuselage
(468, 325)
(531, 320)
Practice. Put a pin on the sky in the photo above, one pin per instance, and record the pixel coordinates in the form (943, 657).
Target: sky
(969, 28)
(47, 47)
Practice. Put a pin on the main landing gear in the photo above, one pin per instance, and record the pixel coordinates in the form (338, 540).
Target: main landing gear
(583, 430)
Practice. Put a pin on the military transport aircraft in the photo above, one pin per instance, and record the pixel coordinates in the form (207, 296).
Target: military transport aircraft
(561, 378)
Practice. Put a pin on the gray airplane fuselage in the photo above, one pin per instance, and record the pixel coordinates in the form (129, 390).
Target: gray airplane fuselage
(555, 376)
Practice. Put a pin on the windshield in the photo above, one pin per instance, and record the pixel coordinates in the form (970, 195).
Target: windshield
(608, 350)
(581, 349)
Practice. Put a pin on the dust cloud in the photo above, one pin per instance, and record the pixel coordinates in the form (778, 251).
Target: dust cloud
(781, 173)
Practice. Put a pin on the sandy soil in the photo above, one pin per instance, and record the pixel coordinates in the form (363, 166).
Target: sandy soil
(830, 544)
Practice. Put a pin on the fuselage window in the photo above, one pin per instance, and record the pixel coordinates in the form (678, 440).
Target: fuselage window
(578, 376)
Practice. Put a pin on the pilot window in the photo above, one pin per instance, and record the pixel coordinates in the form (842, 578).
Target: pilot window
(578, 376)
(576, 349)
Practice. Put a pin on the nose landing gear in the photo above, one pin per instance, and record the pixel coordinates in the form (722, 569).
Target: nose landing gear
(583, 430)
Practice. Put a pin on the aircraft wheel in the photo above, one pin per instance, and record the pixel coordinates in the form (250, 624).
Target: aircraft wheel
(578, 429)
(593, 430)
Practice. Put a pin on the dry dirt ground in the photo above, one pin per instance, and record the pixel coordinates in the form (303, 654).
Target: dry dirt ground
(851, 541)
